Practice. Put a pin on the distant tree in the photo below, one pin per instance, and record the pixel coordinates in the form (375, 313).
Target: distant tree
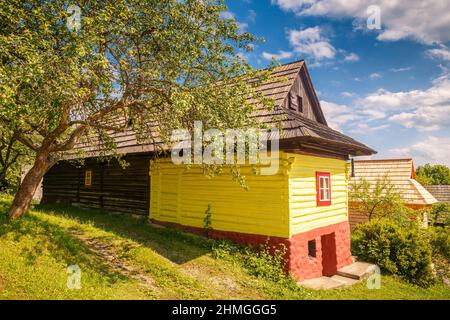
(433, 174)
(376, 200)
(66, 71)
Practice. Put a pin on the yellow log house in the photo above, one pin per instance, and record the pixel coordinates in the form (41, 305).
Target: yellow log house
(304, 206)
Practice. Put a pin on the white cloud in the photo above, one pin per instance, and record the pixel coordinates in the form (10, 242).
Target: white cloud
(340, 117)
(375, 76)
(251, 16)
(442, 53)
(242, 26)
(401, 69)
(432, 150)
(424, 118)
(278, 56)
(337, 115)
(426, 21)
(424, 110)
(311, 42)
(347, 94)
(352, 57)
(228, 15)
(365, 128)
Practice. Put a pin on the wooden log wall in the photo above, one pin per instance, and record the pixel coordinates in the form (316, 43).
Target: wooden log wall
(113, 188)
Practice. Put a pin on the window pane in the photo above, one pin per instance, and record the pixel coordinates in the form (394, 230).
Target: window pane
(322, 194)
(321, 182)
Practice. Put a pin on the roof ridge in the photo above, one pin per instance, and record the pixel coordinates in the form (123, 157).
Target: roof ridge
(381, 160)
(284, 64)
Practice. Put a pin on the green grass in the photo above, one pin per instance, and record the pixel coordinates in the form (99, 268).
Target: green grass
(125, 258)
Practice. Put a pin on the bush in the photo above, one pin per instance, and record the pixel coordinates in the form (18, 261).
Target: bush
(440, 214)
(260, 261)
(405, 252)
(440, 241)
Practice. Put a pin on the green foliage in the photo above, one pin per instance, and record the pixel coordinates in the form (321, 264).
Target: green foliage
(261, 261)
(433, 175)
(377, 200)
(405, 252)
(147, 61)
(152, 65)
(440, 214)
(440, 240)
(207, 223)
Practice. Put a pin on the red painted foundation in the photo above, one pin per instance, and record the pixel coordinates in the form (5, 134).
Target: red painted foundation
(332, 247)
(332, 251)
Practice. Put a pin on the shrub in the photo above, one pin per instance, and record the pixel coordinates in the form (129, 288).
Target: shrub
(440, 214)
(405, 252)
(440, 241)
(260, 261)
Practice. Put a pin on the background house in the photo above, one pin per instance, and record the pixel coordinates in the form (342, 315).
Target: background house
(440, 192)
(402, 175)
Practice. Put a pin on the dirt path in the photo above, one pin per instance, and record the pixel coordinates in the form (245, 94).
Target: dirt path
(114, 262)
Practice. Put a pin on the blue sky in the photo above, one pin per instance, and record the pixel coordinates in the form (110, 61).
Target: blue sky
(387, 87)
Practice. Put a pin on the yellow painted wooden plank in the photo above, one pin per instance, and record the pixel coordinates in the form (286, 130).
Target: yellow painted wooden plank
(305, 215)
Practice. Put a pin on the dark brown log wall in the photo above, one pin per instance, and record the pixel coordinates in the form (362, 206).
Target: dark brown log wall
(113, 188)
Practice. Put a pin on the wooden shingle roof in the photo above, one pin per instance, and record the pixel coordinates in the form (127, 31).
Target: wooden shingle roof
(297, 128)
(401, 174)
(440, 192)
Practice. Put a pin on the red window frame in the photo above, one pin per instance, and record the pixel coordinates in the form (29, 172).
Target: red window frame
(320, 202)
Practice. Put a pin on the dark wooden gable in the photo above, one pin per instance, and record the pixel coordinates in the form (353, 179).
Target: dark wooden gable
(302, 93)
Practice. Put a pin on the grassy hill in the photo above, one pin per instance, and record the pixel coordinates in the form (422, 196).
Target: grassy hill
(125, 258)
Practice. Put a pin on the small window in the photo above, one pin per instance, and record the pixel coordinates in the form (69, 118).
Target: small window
(130, 123)
(88, 178)
(299, 104)
(323, 188)
(312, 248)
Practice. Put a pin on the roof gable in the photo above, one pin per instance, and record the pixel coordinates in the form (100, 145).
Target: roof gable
(302, 88)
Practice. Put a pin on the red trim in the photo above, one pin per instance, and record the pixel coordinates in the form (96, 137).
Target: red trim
(332, 247)
(321, 203)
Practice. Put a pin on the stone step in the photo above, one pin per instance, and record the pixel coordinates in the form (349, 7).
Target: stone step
(322, 283)
(357, 270)
(346, 281)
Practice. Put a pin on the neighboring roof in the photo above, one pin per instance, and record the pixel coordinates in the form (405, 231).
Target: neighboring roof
(440, 192)
(401, 174)
(298, 129)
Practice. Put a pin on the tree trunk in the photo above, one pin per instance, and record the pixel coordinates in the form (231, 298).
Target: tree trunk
(28, 187)
(3, 182)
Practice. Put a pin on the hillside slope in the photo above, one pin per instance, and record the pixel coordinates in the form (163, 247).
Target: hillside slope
(124, 258)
